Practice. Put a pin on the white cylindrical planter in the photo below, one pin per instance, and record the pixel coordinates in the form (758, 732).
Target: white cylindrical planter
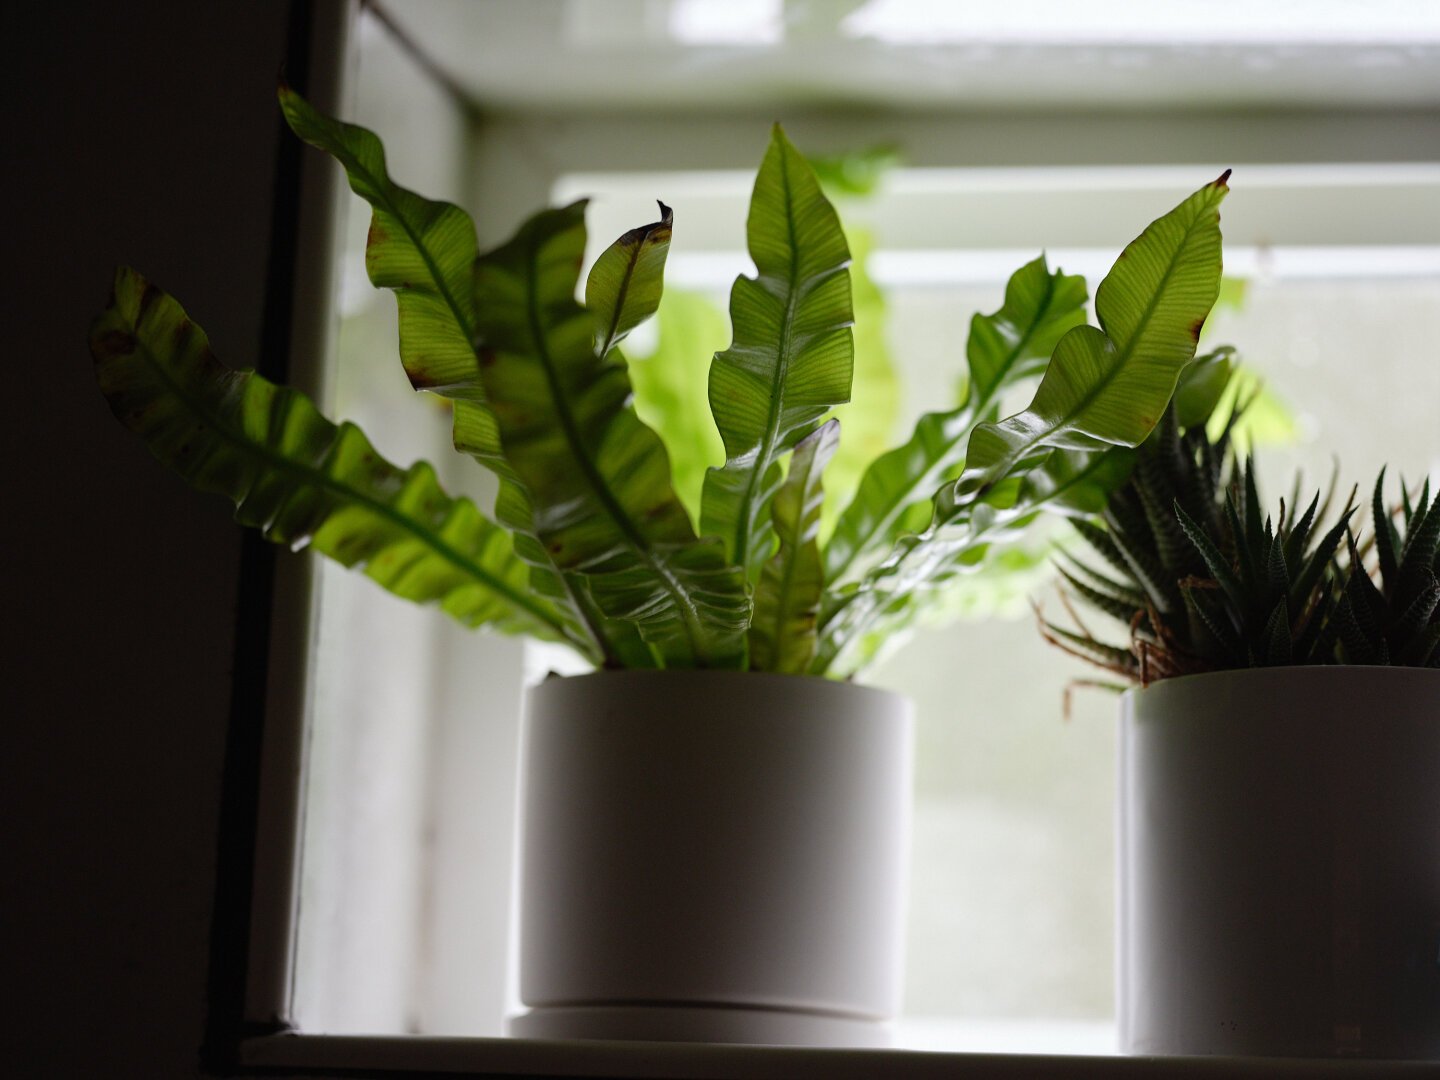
(712, 856)
(1280, 864)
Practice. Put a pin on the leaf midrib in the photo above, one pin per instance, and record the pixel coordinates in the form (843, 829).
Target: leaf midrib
(750, 514)
(634, 539)
(383, 187)
(791, 555)
(876, 597)
(1007, 462)
(612, 335)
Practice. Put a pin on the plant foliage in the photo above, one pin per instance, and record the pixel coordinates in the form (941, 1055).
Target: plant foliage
(1397, 621)
(1205, 580)
(590, 544)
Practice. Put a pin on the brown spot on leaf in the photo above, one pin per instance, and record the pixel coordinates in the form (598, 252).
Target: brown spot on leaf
(1196, 327)
(148, 297)
(377, 234)
(116, 342)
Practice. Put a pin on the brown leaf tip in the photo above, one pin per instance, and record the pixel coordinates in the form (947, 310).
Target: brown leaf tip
(1223, 181)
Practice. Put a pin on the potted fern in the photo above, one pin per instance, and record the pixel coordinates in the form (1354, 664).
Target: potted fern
(714, 822)
(1278, 807)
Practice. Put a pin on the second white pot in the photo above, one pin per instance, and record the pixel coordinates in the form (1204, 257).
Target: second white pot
(1280, 864)
(713, 856)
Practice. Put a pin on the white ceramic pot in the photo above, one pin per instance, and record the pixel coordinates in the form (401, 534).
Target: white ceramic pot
(1280, 864)
(712, 856)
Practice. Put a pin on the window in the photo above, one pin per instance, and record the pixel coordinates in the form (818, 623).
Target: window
(1334, 222)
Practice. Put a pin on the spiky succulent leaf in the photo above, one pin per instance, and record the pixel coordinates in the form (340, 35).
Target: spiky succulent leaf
(1113, 657)
(1124, 590)
(1368, 602)
(297, 477)
(1277, 636)
(792, 356)
(1253, 531)
(1215, 561)
(1317, 563)
(1103, 542)
(1424, 648)
(1420, 553)
(1315, 635)
(1357, 641)
(1397, 619)
(1158, 497)
(1209, 607)
(1277, 574)
(1234, 544)
(1299, 532)
(1387, 541)
(598, 479)
(1117, 604)
(1417, 615)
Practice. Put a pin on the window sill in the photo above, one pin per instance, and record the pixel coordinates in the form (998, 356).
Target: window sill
(319, 1056)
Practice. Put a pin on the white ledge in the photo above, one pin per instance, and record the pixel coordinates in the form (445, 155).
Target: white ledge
(343, 1055)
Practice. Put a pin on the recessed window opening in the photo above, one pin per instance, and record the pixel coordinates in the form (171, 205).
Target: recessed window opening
(404, 911)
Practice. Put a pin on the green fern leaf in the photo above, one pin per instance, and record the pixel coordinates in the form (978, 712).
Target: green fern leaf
(792, 357)
(300, 479)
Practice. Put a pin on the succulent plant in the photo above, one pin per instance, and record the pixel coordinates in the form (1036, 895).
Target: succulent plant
(1270, 595)
(1202, 578)
(1397, 621)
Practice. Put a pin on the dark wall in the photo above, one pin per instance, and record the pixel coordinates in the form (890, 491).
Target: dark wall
(141, 133)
